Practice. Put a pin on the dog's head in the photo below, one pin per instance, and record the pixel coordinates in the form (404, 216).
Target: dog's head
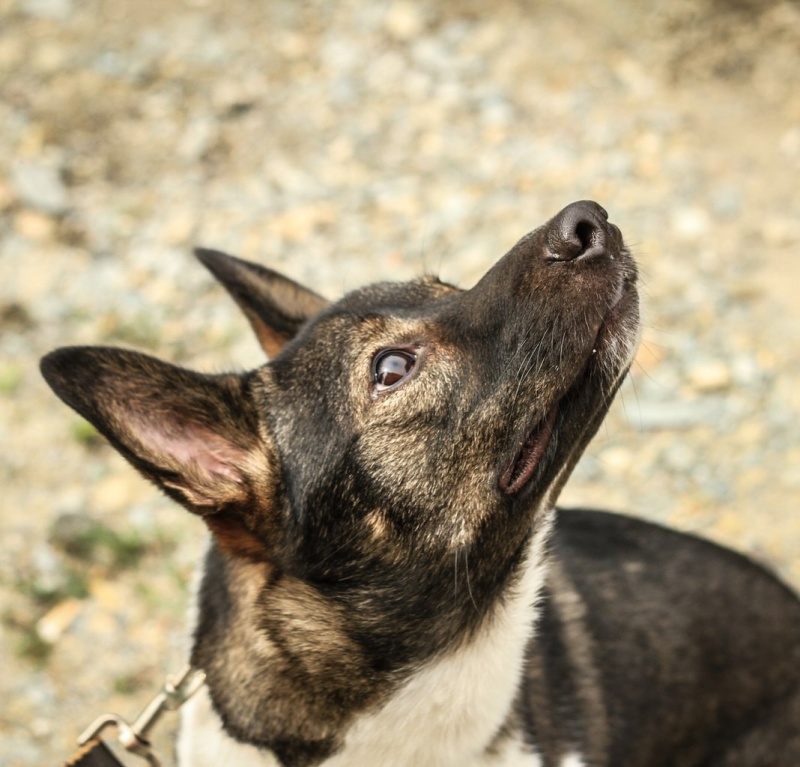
(394, 433)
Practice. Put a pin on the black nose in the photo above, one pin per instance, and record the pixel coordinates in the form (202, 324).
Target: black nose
(581, 230)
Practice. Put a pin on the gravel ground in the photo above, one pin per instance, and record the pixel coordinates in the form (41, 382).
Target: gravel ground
(355, 141)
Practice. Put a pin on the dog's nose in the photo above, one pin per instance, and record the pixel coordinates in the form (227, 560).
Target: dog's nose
(581, 230)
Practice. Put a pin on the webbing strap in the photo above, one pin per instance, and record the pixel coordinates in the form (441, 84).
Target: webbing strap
(94, 753)
(133, 737)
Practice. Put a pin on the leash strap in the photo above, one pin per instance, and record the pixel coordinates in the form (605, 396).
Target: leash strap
(133, 737)
(95, 753)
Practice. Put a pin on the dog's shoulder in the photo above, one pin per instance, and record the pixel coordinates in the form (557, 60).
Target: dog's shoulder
(615, 580)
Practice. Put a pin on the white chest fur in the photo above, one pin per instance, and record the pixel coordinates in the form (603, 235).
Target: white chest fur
(444, 716)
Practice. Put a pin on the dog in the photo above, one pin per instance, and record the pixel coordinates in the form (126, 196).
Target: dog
(387, 582)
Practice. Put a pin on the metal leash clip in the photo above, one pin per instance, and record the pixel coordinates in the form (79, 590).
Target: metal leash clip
(133, 737)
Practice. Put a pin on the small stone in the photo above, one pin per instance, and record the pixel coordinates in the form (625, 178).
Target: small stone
(779, 231)
(197, 139)
(6, 194)
(179, 228)
(118, 491)
(292, 45)
(654, 416)
(710, 376)
(34, 225)
(50, 57)
(752, 433)
(691, 223)
(679, 457)
(57, 620)
(297, 224)
(48, 9)
(50, 577)
(726, 201)
(39, 185)
(617, 459)
(635, 77)
(789, 143)
(404, 21)
(745, 370)
(107, 594)
(41, 728)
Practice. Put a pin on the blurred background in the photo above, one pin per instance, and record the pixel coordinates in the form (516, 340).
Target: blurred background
(353, 141)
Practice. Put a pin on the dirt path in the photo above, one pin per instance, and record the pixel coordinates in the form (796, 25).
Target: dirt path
(373, 141)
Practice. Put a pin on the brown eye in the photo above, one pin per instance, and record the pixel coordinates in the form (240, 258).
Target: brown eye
(390, 368)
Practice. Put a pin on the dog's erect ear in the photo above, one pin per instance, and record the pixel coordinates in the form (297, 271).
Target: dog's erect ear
(194, 435)
(275, 305)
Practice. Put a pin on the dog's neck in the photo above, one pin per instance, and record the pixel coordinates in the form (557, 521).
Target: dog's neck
(452, 711)
(310, 707)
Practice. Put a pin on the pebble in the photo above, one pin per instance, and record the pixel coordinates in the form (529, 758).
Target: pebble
(790, 143)
(57, 620)
(38, 184)
(404, 20)
(58, 10)
(691, 224)
(33, 225)
(679, 457)
(677, 416)
(710, 376)
(617, 459)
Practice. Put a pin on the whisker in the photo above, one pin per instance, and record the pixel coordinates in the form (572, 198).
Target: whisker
(455, 574)
(469, 587)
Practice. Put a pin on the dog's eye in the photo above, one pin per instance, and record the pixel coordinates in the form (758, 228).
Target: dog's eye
(391, 368)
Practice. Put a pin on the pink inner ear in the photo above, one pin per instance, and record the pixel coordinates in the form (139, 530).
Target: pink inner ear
(195, 446)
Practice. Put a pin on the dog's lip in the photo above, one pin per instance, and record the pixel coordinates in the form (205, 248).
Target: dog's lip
(519, 471)
(617, 308)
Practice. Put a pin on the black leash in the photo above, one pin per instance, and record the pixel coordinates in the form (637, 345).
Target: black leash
(93, 752)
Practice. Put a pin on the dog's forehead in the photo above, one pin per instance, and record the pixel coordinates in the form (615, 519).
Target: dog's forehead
(419, 295)
(385, 312)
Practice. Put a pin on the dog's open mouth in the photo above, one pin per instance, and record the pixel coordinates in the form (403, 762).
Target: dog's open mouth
(519, 471)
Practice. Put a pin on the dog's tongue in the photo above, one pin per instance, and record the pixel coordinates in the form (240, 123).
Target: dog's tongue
(516, 475)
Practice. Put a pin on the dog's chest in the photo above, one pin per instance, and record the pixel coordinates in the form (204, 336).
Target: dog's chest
(441, 719)
(446, 714)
